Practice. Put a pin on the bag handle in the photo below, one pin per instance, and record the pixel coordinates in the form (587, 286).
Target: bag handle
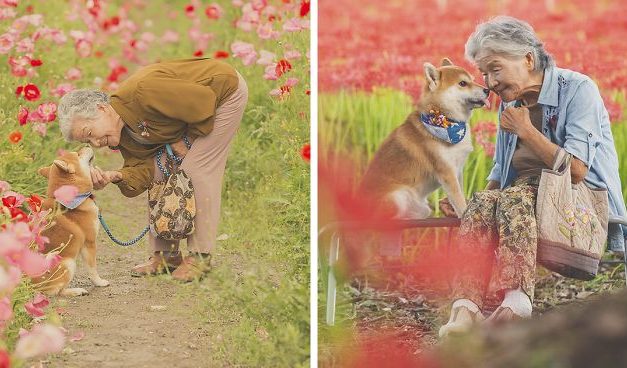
(562, 160)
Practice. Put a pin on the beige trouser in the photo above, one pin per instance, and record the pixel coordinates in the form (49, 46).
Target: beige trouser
(204, 164)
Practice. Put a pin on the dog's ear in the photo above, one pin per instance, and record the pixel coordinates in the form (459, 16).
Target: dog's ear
(447, 62)
(44, 171)
(432, 75)
(68, 168)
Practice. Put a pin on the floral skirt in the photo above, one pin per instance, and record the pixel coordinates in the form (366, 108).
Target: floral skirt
(498, 238)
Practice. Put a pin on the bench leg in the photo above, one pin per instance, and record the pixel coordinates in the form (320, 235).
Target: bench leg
(334, 250)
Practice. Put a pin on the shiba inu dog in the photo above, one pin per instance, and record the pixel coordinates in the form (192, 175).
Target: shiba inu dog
(430, 149)
(74, 231)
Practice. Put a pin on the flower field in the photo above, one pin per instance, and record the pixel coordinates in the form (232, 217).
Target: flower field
(48, 48)
(371, 57)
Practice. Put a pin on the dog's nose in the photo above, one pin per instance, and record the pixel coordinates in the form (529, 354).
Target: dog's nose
(486, 91)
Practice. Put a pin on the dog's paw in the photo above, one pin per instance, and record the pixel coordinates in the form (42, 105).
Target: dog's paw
(74, 292)
(100, 282)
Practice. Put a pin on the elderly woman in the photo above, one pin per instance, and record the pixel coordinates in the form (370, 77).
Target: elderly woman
(543, 108)
(197, 101)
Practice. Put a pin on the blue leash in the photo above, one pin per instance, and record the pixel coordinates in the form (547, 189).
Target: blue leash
(119, 242)
(166, 174)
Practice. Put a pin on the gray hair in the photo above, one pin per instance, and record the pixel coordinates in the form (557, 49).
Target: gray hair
(509, 36)
(81, 103)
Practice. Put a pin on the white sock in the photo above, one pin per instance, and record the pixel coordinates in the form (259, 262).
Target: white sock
(518, 302)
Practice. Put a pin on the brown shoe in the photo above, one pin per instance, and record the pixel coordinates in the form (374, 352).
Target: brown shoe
(192, 268)
(157, 264)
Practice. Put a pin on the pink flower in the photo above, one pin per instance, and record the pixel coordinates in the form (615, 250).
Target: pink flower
(73, 74)
(40, 128)
(25, 45)
(35, 308)
(245, 51)
(7, 41)
(83, 48)
(6, 13)
(265, 32)
(270, 72)
(259, 4)
(292, 54)
(214, 11)
(10, 277)
(66, 193)
(4, 186)
(170, 36)
(266, 58)
(295, 24)
(48, 111)
(61, 89)
(22, 115)
(6, 310)
(291, 82)
(42, 339)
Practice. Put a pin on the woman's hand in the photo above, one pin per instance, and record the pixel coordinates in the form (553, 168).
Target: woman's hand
(516, 120)
(101, 178)
(447, 208)
(180, 148)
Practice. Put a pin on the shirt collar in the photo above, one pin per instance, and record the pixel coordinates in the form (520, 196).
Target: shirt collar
(549, 90)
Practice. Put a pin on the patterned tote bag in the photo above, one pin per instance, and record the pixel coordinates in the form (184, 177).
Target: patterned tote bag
(171, 201)
(572, 222)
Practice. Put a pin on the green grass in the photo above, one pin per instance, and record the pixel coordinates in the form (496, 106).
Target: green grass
(266, 186)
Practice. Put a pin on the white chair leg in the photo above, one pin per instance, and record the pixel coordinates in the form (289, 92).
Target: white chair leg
(332, 282)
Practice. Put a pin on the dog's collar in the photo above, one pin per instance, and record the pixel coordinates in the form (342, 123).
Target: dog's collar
(77, 201)
(444, 128)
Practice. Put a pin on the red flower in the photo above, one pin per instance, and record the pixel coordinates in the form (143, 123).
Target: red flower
(213, 12)
(5, 359)
(18, 91)
(36, 62)
(116, 73)
(221, 54)
(34, 202)
(31, 92)
(305, 152)
(22, 116)
(304, 8)
(15, 137)
(189, 10)
(308, 92)
(198, 53)
(98, 54)
(283, 66)
(9, 201)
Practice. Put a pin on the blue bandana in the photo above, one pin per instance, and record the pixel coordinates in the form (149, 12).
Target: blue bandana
(443, 128)
(77, 201)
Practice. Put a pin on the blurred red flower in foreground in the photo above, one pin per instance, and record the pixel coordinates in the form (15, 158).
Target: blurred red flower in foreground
(15, 137)
(305, 152)
(304, 8)
(221, 54)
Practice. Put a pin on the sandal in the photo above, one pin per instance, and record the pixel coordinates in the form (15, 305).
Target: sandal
(461, 321)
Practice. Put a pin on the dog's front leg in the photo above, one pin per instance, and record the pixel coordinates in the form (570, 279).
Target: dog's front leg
(453, 190)
(88, 253)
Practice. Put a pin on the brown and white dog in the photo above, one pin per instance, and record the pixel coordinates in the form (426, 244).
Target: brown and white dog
(74, 230)
(412, 162)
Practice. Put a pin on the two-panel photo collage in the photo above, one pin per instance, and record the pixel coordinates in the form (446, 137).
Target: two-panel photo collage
(313, 183)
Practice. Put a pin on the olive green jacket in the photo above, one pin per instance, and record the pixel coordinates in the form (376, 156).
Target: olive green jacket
(166, 100)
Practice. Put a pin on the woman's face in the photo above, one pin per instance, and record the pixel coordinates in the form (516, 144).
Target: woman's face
(104, 131)
(506, 76)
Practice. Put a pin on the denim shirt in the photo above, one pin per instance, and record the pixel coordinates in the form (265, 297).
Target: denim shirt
(573, 117)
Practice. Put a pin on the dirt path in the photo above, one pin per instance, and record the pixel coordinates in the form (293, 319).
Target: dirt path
(134, 322)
